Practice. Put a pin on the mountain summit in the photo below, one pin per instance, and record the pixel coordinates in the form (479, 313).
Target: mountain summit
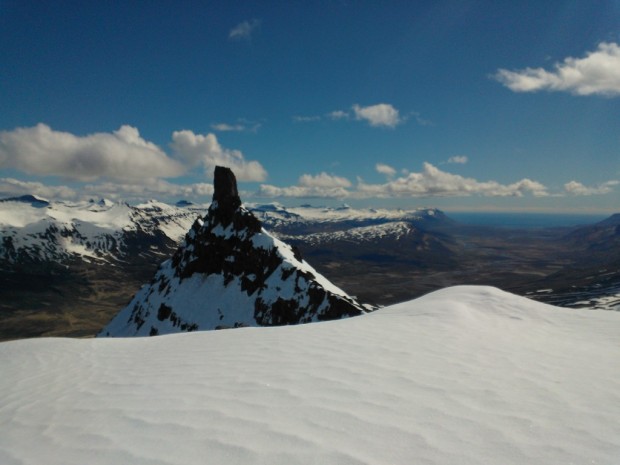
(230, 272)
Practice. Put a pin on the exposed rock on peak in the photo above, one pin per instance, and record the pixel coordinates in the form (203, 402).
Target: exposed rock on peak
(226, 206)
(231, 272)
(225, 187)
(226, 201)
(34, 200)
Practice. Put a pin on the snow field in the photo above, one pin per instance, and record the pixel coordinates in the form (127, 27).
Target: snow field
(466, 375)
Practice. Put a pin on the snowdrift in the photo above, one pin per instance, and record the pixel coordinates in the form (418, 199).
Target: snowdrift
(466, 375)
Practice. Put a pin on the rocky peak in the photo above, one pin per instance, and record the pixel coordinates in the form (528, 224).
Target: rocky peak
(226, 199)
(231, 272)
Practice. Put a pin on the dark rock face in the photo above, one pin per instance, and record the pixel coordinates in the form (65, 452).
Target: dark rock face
(31, 199)
(225, 196)
(230, 272)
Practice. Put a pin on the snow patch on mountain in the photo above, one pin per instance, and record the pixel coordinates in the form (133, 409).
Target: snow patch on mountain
(58, 231)
(274, 214)
(395, 230)
(36, 229)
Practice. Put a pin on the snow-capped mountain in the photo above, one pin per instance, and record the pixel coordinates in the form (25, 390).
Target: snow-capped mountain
(67, 267)
(307, 219)
(33, 229)
(230, 272)
(396, 230)
(36, 230)
(466, 375)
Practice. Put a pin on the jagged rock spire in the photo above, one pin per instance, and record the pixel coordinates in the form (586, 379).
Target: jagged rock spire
(226, 206)
(225, 191)
(230, 272)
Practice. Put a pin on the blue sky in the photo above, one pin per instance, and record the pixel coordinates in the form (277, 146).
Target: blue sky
(460, 105)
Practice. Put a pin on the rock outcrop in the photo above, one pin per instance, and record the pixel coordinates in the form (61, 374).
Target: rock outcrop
(230, 272)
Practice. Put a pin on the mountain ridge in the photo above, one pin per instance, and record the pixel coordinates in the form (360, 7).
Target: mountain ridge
(72, 265)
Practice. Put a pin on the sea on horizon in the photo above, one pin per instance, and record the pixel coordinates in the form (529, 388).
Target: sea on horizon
(526, 220)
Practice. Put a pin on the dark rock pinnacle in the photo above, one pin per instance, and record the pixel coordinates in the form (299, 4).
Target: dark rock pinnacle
(225, 191)
(226, 202)
(263, 285)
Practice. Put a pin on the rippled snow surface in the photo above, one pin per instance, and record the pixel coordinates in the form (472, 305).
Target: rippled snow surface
(466, 375)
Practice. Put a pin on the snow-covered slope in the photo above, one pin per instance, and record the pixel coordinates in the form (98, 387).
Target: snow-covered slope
(395, 230)
(308, 219)
(33, 229)
(231, 272)
(272, 212)
(466, 375)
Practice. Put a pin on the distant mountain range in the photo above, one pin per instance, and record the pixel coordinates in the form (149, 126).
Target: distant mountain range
(67, 267)
(38, 230)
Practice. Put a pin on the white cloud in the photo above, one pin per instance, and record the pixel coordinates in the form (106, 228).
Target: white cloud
(459, 159)
(577, 188)
(244, 30)
(597, 73)
(225, 127)
(322, 185)
(385, 169)
(338, 114)
(323, 180)
(150, 188)
(434, 182)
(270, 191)
(382, 114)
(431, 182)
(306, 119)
(121, 155)
(145, 189)
(241, 125)
(10, 187)
(200, 150)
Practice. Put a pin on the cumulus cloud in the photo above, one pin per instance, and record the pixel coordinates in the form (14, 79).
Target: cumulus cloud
(430, 182)
(270, 191)
(244, 30)
(597, 73)
(321, 185)
(382, 114)
(145, 189)
(10, 187)
(323, 180)
(150, 188)
(385, 169)
(123, 154)
(434, 182)
(459, 159)
(577, 188)
(205, 150)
